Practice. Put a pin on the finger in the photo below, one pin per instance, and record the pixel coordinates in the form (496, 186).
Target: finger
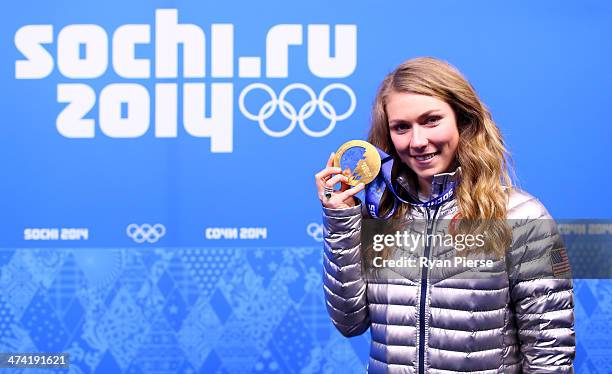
(331, 182)
(327, 171)
(351, 191)
(324, 174)
(330, 161)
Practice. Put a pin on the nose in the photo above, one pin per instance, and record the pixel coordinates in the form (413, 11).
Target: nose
(419, 138)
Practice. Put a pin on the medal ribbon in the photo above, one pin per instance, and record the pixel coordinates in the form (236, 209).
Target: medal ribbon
(375, 190)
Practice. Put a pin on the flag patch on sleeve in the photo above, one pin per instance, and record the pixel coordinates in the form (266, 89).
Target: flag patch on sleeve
(560, 262)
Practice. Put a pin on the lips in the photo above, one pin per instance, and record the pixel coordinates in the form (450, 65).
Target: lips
(425, 156)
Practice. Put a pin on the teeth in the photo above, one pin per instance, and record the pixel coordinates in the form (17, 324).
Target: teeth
(423, 158)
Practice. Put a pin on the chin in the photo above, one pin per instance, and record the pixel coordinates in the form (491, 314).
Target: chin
(424, 172)
(430, 171)
(426, 175)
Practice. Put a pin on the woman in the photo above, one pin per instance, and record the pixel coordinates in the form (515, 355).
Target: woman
(516, 318)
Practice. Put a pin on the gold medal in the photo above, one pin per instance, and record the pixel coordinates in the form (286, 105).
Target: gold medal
(359, 161)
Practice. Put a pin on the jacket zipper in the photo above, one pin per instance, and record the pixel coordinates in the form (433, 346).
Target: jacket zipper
(424, 278)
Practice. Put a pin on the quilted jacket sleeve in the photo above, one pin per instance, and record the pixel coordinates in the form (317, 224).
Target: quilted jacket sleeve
(343, 282)
(542, 292)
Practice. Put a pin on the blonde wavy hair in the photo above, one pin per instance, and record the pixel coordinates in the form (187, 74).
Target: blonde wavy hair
(485, 182)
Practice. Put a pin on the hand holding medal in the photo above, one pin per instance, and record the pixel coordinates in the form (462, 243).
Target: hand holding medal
(356, 163)
(327, 178)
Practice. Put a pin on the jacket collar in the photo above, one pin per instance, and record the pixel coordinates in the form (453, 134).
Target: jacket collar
(439, 184)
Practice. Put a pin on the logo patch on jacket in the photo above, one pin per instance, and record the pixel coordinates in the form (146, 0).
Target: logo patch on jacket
(560, 262)
(452, 226)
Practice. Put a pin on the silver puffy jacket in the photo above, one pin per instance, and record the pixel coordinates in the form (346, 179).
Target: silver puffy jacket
(518, 320)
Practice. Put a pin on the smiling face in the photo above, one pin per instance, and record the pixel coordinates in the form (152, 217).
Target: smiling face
(424, 133)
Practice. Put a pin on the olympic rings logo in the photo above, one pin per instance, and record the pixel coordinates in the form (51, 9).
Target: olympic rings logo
(315, 230)
(294, 115)
(146, 232)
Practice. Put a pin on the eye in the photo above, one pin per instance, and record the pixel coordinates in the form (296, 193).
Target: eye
(432, 120)
(401, 127)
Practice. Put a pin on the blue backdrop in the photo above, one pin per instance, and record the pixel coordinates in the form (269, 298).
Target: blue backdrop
(158, 209)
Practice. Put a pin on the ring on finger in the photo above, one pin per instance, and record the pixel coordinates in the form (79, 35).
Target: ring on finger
(327, 191)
